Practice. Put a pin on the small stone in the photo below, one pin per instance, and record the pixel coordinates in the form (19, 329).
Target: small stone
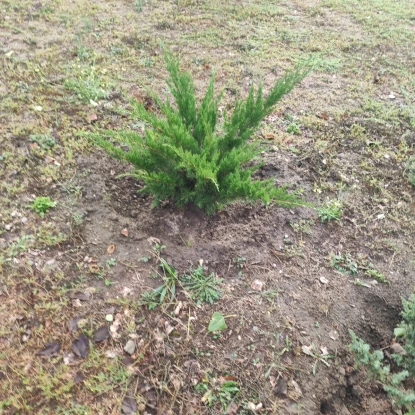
(24, 219)
(8, 226)
(111, 354)
(324, 280)
(134, 213)
(257, 285)
(129, 347)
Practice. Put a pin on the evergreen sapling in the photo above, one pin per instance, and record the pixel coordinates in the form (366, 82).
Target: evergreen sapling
(185, 156)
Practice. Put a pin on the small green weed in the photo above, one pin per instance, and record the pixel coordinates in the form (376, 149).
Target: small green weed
(378, 276)
(241, 264)
(44, 141)
(153, 298)
(87, 87)
(319, 357)
(331, 210)
(411, 170)
(49, 235)
(42, 204)
(217, 390)
(20, 245)
(303, 226)
(138, 6)
(293, 128)
(158, 248)
(113, 375)
(344, 263)
(203, 288)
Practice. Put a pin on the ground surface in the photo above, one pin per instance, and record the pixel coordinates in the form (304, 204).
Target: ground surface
(344, 134)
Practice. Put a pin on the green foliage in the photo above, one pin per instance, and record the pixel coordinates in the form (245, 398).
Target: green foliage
(42, 204)
(377, 275)
(293, 128)
(331, 210)
(406, 330)
(411, 170)
(138, 5)
(217, 322)
(45, 141)
(393, 383)
(202, 287)
(185, 156)
(344, 263)
(20, 245)
(87, 87)
(153, 298)
(217, 390)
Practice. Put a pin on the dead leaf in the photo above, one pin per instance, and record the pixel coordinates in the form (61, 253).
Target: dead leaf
(51, 349)
(111, 354)
(398, 349)
(129, 404)
(126, 291)
(176, 382)
(101, 334)
(115, 326)
(81, 346)
(282, 388)
(232, 409)
(178, 308)
(192, 366)
(334, 335)
(251, 406)
(227, 378)
(168, 328)
(124, 232)
(153, 240)
(158, 337)
(79, 377)
(257, 285)
(72, 324)
(294, 391)
(69, 358)
(92, 117)
(94, 269)
(308, 350)
(111, 249)
(324, 116)
(324, 351)
(79, 295)
(270, 136)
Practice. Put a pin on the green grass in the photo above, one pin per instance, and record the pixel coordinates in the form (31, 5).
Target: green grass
(202, 288)
(89, 86)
